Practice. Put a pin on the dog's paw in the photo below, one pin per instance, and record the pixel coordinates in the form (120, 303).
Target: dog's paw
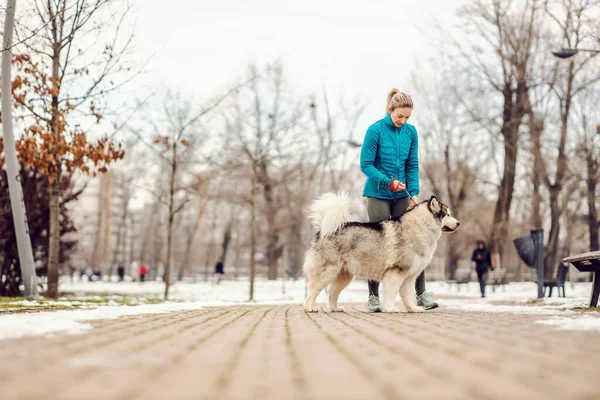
(391, 310)
(335, 309)
(311, 309)
(415, 309)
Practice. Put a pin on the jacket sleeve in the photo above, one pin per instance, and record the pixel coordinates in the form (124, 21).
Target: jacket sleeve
(473, 255)
(412, 166)
(368, 153)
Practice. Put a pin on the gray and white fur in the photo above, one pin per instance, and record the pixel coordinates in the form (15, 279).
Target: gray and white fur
(393, 251)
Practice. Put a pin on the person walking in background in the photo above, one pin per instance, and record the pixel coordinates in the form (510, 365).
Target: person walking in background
(219, 269)
(483, 262)
(143, 272)
(121, 272)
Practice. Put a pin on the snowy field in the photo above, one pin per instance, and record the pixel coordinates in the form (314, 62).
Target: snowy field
(519, 298)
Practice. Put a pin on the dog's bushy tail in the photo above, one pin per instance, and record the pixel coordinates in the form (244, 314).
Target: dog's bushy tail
(330, 212)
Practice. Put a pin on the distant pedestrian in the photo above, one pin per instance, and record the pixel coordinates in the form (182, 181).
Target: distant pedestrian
(97, 275)
(121, 272)
(219, 269)
(143, 272)
(483, 262)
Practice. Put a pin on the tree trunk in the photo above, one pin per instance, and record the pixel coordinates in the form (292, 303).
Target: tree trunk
(132, 237)
(274, 250)
(551, 249)
(54, 188)
(54, 237)
(536, 127)
(511, 120)
(186, 257)
(452, 259)
(295, 247)
(120, 233)
(170, 223)
(149, 232)
(210, 246)
(592, 181)
(561, 169)
(252, 235)
(188, 245)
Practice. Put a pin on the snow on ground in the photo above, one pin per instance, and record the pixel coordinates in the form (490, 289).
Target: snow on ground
(574, 323)
(230, 292)
(518, 298)
(71, 322)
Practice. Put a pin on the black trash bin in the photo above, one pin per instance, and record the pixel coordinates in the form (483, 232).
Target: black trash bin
(531, 250)
(526, 249)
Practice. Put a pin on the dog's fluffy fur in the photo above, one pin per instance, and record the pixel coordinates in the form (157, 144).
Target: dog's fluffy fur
(393, 251)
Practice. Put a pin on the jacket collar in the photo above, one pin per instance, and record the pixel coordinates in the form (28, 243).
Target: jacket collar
(388, 121)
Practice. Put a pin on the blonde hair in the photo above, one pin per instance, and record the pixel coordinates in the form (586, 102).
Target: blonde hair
(397, 99)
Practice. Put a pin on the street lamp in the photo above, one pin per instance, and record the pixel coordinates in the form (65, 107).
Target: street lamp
(566, 53)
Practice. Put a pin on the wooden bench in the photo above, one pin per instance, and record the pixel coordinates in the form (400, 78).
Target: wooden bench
(461, 276)
(588, 262)
(497, 278)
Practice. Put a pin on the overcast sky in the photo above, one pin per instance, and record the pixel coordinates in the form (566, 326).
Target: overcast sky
(356, 48)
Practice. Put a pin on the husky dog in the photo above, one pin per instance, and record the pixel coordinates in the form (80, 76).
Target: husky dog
(393, 251)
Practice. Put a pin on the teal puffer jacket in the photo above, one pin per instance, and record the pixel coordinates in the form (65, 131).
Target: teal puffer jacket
(390, 152)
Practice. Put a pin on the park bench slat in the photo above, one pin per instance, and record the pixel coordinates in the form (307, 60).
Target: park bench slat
(588, 262)
(592, 255)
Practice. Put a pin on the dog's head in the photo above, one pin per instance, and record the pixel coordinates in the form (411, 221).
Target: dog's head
(441, 213)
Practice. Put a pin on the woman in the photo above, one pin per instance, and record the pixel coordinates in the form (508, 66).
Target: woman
(483, 262)
(390, 159)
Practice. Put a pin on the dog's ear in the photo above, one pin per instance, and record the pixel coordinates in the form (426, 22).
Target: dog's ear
(434, 205)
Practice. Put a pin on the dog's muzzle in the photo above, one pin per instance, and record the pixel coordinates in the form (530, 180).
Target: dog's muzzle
(450, 230)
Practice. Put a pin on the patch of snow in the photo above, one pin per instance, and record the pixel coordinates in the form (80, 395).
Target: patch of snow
(579, 323)
(518, 298)
(71, 322)
(508, 309)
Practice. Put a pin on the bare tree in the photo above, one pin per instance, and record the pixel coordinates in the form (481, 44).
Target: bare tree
(573, 18)
(127, 175)
(199, 189)
(273, 122)
(589, 151)
(449, 138)
(175, 137)
(322, 163)
(57, 80)
(505, 32)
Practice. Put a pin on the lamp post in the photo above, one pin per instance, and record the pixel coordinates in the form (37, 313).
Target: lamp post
(567, 53)
(24, 249)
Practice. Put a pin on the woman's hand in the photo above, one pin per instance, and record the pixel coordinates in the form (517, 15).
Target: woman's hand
(413, 202)
(397, 186)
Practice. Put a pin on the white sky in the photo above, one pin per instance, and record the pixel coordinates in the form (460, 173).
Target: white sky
(356, 48)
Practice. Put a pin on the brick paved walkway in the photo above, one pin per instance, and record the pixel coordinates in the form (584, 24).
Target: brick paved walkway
(279, 352)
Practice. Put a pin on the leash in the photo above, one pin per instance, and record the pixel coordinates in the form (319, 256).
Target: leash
(409, 196)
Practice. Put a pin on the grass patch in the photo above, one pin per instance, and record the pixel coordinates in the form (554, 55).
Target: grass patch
(31, 310)
(10, 299)
(71, 302)
(587, 309)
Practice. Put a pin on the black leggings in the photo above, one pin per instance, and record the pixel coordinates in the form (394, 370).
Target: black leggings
(482, 276)
(378, 210)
